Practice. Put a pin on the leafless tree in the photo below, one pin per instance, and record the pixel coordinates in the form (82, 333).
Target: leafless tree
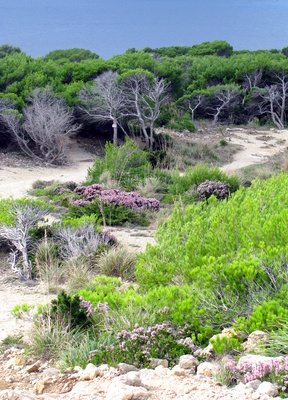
(145, 98)
(18, 236)
(104, 101)
(193, 102)
(273, 99)
(253, 79)
(224, 98)
(46, 124)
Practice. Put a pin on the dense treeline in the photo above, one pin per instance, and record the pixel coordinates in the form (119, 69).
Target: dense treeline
(209, 80)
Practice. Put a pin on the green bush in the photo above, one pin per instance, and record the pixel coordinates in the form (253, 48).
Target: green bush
(127, 164)
(110, 215)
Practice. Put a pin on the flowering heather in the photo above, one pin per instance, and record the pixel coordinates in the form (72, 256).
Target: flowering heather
(273, 370)
(113, 197)
(218, 189)
(142, 343)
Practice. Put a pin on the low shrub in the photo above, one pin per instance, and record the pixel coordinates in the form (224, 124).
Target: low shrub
(218, 189)
(138, 346)
(127, 164)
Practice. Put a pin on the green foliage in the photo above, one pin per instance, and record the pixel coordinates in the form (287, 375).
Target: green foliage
(21, 309)
(226, 345)
(6, 216)
(182, 123)
(180, 185)
(68, 308)
(108, 214)
(127, 164)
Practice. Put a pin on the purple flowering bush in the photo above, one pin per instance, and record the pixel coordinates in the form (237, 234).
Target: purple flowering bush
(218, 189)
(273, 370)
(114, 206)
(138, 346)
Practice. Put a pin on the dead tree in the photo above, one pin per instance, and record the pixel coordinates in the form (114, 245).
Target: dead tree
(224, 98)
(104, 101)
(18, 236)
(273, 99)
(145, 96)
(193, 102)
(46, 124)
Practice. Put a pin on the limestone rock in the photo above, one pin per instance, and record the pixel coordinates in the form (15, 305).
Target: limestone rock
(206, 352)
(188, 361)
(20, 360)
(49, 372)
(120, 391)
(253, 384)
(90, 373)
(253, 340)
(207, 369)
(178, 371)
(34, 367)
(124, 368)
(132, 378)
(155, 362)
(267, 388)
(160, 370)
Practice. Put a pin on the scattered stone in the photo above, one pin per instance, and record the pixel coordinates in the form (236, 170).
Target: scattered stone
(178, 371)
(253, 384)
(40, 386)
(49, 372)
(188, 361)
(155, 362)
(253, 341)
(20, 360)
(267, 388)
(120, 391)
(132, 378)
(124, 368)
(90, 373)
(207, 369)
(34, 367)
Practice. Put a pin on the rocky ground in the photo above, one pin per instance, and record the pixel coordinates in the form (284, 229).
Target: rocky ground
(23, 377)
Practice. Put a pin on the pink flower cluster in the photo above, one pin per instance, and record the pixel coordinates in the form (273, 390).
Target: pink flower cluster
(89, 309)
(252, 371)
(113, 197)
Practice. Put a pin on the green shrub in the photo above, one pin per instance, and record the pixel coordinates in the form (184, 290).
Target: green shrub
(226, 345)
(127, 164)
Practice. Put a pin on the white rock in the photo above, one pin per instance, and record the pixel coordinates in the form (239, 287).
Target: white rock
(124, 368)
(188, 361)
(254, 339)
(90, 372)
(160, 370)
(155, 362)
(267, 388)
(178, 371)
(253, 384)
(132, 378)
(120, 391)
(207, 369)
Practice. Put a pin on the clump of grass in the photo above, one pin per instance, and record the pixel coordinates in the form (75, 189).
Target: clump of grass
(151, 187)
(12, 340)
(78, 272)
(49, 266)
(118, 262)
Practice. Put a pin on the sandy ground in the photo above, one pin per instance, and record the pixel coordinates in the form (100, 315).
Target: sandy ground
(258, 146)
(17, 181)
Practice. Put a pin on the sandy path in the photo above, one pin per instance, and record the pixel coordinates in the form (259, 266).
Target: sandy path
(258, 146)
(16, 182)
